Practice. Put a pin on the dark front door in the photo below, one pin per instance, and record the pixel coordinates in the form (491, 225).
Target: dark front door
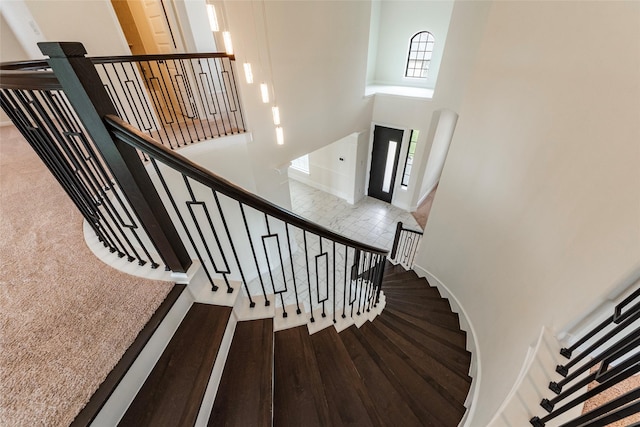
(384, 162)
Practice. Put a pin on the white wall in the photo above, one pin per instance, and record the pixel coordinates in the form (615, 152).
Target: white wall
(93, 23)
(333, 168)
(439, 149)
(465, 29)
(398, 22)
(318, 54)
(537, 213)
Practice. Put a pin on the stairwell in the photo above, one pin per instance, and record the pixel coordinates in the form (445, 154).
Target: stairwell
(409, 366)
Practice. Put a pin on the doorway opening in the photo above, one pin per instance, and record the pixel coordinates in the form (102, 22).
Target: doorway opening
(384, 162)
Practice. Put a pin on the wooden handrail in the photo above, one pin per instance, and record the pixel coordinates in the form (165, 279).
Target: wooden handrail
(158, 57)
(132, 136)
(28, 80)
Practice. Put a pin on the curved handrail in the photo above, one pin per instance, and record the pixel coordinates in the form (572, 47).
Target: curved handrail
(132, 136)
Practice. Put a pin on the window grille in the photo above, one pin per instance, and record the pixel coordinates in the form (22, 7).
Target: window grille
(420, 51)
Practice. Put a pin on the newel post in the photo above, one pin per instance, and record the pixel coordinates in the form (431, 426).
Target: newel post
(396, 240)
(86, 93)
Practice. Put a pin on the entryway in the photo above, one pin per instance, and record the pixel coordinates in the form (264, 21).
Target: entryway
(384, 162)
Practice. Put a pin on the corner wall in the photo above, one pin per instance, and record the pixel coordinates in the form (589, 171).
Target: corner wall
(537, 214)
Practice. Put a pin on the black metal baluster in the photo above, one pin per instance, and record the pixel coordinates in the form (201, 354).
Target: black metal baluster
(236, 98)
(233, 248)
(610, 412)
(266, 254)
(45, 132)
(195, 202)
(344, 290)
(306, 257)
(214, 95)
(83, 164)
(601, 375)
(11, 102)
(334, 282)
(293, 272)
(220, 77)
(154, 86)
(564, 369)
(618, 375)
(628, 342)
(253, 252)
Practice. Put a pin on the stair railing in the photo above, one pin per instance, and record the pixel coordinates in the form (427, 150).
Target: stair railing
(273, 253)
(40, 110)
(177, 210)
(177, 99)
(608, 354)
(405, 245)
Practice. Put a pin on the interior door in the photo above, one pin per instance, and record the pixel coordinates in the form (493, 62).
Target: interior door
(384, 162)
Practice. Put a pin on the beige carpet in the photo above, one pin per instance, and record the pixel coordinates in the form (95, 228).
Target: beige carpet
(617, 390)
(65, 318)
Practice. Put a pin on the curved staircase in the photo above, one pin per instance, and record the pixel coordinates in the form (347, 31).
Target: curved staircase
(408, 367)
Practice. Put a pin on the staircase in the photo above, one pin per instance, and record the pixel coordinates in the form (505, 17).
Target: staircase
(408, 367)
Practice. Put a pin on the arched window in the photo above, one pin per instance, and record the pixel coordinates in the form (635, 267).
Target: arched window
(420, 50)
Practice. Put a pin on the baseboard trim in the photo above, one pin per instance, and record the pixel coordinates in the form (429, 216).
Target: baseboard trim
(475, 371)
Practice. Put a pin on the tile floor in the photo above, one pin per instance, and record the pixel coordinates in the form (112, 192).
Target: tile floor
(370, 221)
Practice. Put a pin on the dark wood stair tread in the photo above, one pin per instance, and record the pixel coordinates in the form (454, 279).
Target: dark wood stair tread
(244, 394)
(410, 288)
(427, 362)
(173, 392)
(458, 358)
(298, 396)
(391, 407)
(433, 379)
(421, 303)
(427, 403)
(348, 399)
(446, 319)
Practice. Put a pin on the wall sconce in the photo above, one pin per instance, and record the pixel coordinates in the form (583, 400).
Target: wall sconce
(276, 115)
(264, 90)
(213, 18)
(248, 74)
(228, 47)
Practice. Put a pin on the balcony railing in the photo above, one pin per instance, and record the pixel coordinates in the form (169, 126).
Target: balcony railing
(177, 99)
(601, 359)
(151, 205)
(405, 246)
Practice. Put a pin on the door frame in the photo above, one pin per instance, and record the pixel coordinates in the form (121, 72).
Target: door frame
(404, 147)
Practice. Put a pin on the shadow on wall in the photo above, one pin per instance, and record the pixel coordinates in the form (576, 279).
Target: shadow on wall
(446, 125)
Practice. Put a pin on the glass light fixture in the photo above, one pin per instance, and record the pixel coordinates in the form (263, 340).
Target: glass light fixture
(279, 136)
(228, 47)
(276, 115)
(213, 18)
(264, 90)
(248, 74)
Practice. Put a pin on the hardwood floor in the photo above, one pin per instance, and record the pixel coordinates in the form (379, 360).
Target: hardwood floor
(408, 367)
(244, 395)
(173, 392)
